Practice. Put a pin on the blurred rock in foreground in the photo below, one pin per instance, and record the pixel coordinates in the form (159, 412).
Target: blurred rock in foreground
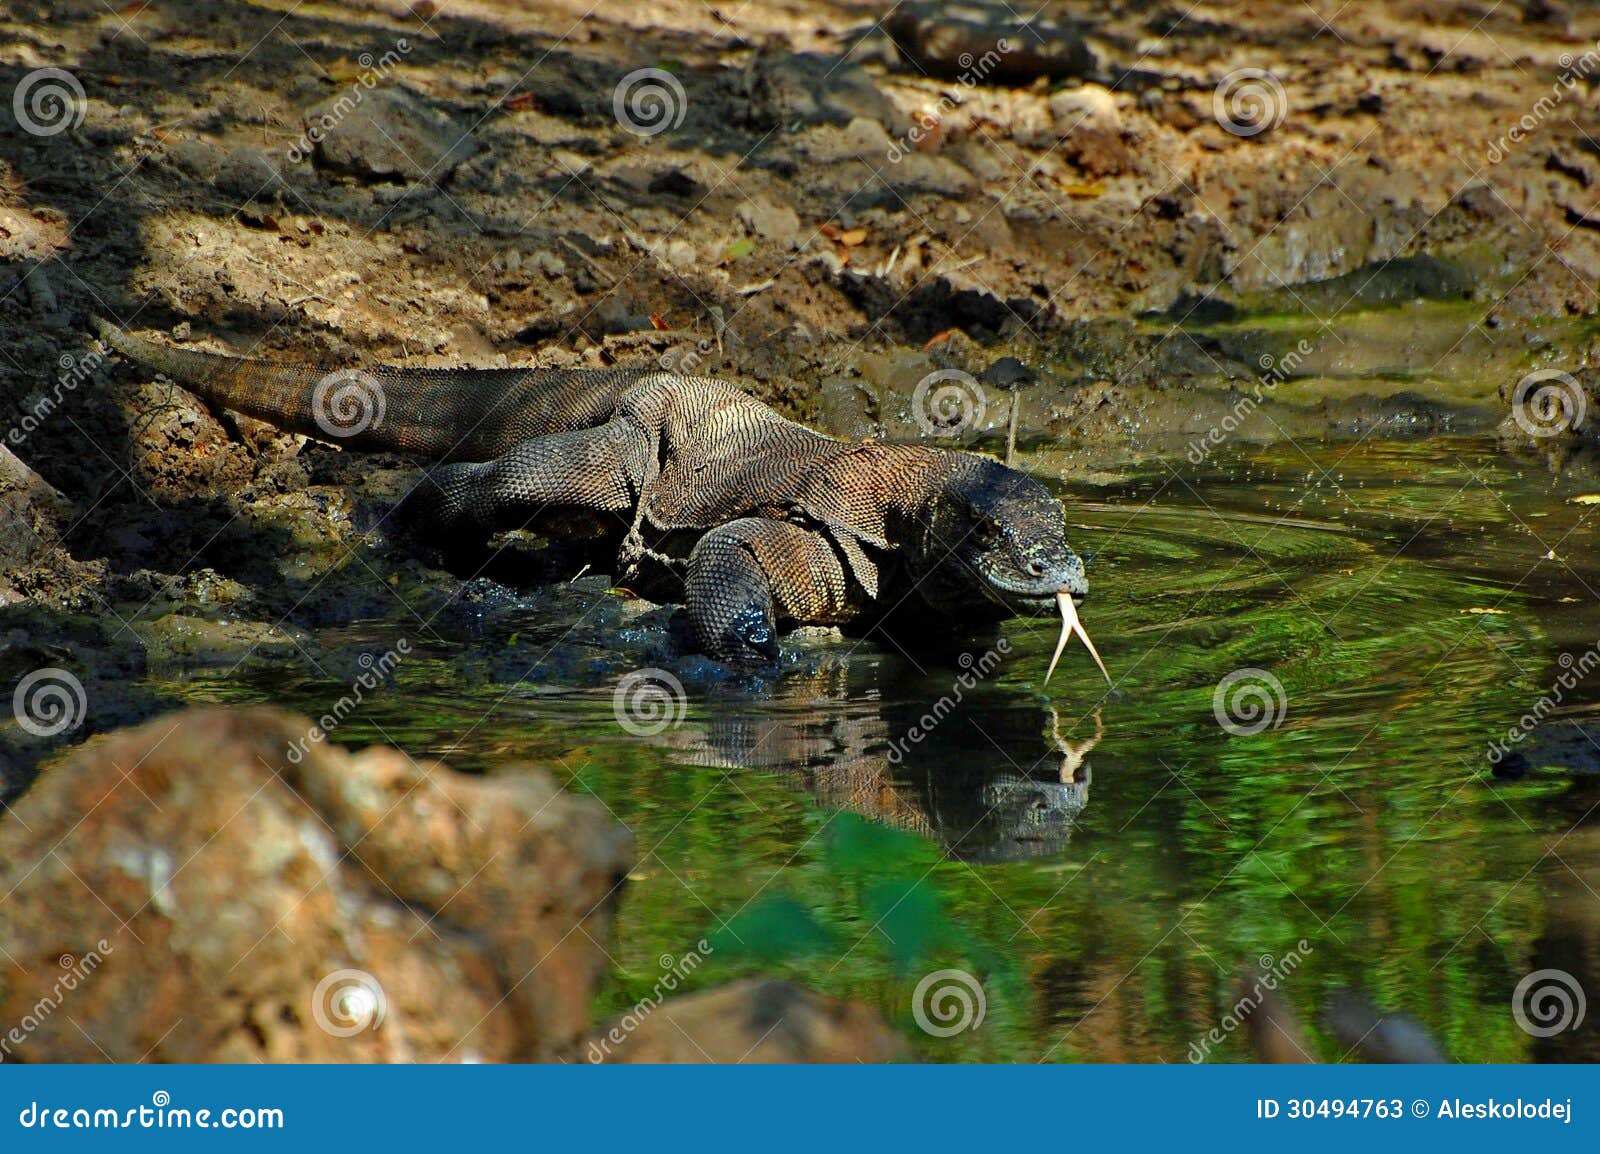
(749, 1022)
(184, 892)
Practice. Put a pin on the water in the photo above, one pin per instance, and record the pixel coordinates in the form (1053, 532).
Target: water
(1104, 865)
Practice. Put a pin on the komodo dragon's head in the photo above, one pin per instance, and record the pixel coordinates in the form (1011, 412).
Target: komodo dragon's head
(995, 546)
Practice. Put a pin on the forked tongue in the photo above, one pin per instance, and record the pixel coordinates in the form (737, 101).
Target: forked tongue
(1070, 625)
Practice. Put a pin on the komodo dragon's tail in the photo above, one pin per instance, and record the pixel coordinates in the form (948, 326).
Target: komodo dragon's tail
(442, 414)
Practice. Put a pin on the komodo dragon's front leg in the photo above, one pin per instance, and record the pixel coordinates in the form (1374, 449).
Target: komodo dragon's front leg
(749, 576)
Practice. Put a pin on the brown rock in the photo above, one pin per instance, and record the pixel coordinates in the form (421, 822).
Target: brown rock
(212, 886)
(750, 1021)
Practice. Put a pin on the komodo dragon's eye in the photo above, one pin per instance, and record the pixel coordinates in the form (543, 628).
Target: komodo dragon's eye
(988, 531)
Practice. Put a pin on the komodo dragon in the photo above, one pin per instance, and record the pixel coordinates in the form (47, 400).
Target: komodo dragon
(763, 524)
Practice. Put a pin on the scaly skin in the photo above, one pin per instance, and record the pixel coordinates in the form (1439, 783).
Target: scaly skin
(763, 523)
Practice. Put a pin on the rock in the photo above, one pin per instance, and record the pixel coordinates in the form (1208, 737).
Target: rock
(774, 222)
(888, 162)
(1086, 121)
(1087, 108)
(845, 408)
(248, 174)
(221, 886)
(788, 89)
(197, 158)
(1393, 1038)
(188, 642)
(750, 1021)
(1008, 373)
(1558, 747)
(1030, 122)
(387, 133)
(988, 44)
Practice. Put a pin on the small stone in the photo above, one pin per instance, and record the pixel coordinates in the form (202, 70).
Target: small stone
(197, 158)
(1008, 373)
(1087, 108)
(387, 133)
(681, 255)
(248, 174)
(774, 222)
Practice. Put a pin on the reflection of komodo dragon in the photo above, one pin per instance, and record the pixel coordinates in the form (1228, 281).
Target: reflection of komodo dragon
(765, 523)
